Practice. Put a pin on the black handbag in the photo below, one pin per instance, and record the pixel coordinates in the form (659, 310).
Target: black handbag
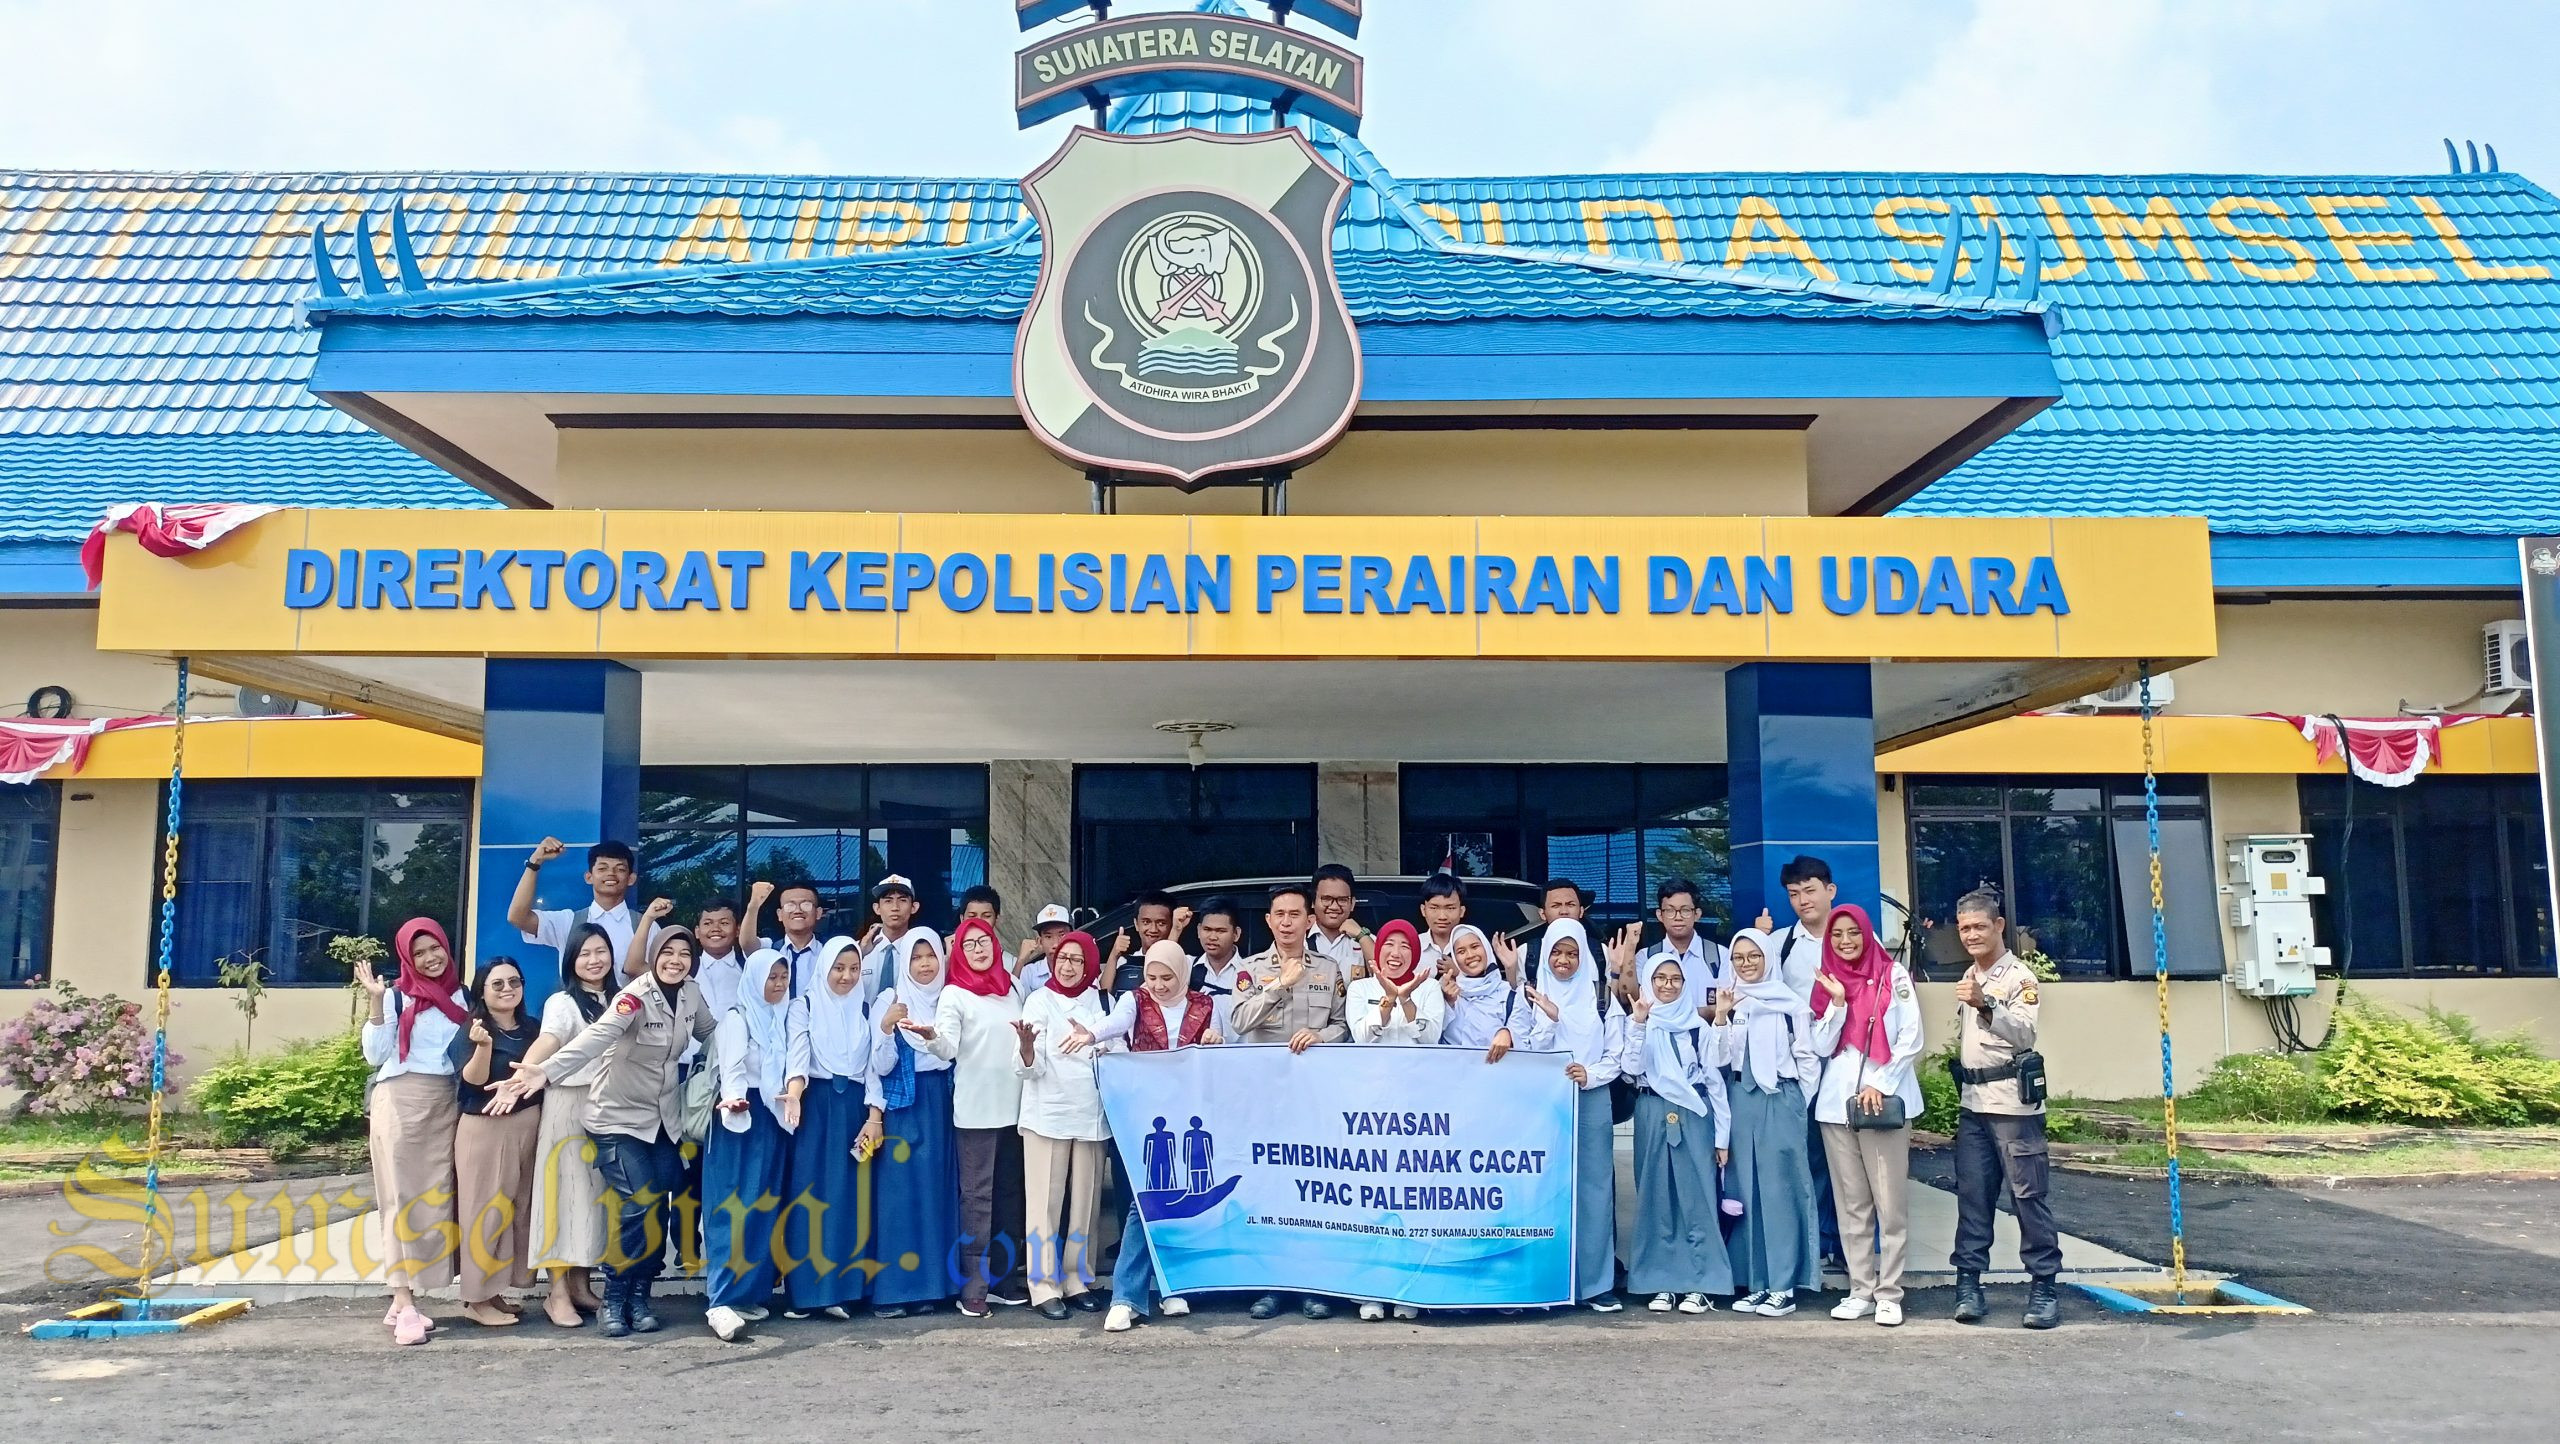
(1893, 1115)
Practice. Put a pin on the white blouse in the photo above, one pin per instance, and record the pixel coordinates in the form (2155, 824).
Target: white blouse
(561, 1020)
(1613, 1041)
(1360, 1010)
(1060, 1098)
(430, 1039)
(976, 1033)
(1845, 1068)
(742, 1064)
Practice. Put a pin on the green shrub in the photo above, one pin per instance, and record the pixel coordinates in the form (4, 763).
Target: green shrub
(311, 1092)
(2385, 1066)
(2258, 1087)
(1938, 1092)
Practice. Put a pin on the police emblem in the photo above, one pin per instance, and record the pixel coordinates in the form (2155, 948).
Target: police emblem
(1187, 321)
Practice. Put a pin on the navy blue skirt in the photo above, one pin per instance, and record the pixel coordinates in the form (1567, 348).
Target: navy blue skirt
(825, 1218)
(915, 1199)
(742, 1177)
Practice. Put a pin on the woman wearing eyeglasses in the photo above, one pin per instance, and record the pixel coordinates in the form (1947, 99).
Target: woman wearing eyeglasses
(493, 1158)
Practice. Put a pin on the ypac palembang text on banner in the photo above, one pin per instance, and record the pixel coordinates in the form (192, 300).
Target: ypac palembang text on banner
(1422, 1176)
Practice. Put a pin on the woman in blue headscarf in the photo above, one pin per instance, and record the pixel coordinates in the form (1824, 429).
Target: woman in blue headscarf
(763, 1063)
(914, 1158)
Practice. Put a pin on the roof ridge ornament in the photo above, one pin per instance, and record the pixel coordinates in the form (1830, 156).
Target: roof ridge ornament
(370, 280)
(2467, 161)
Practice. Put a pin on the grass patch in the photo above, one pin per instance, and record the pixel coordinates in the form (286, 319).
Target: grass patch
(2388, 1161)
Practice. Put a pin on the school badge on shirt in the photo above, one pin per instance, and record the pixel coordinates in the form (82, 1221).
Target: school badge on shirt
(1187, 320)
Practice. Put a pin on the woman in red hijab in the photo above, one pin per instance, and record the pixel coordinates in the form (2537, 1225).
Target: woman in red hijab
(975, 1027)
(1397, 1002)
(1062, 1129)
(413, 1038)
(1867, 1024)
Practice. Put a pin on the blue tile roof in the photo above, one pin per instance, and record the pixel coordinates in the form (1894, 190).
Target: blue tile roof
(150, 345)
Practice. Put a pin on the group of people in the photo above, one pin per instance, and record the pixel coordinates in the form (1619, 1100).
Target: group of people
(835, 1122)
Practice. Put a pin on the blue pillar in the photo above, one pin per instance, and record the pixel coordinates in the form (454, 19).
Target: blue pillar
(1801, 737)
(560, 757)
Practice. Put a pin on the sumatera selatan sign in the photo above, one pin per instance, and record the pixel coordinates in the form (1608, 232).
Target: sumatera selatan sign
(1143, 54)
(761, 584)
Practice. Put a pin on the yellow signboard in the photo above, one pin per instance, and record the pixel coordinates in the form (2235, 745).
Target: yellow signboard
(637, 584)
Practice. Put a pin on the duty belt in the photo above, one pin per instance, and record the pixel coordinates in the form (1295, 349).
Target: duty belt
(1977, 1076)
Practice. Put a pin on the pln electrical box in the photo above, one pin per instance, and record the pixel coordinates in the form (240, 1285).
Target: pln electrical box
(2270, 886)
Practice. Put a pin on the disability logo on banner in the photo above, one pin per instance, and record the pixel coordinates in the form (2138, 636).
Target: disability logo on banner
(1423, 1176)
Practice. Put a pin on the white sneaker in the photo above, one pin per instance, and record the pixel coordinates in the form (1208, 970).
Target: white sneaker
(1121, 1319)
(728, 1323)
(1697, 1304)
(1176, 1308)
(1406, 1311)
(1889, 1315)
(1750, 1303)
(1776, 1306)
(1661, 1304)
(1605, 1304)
(1372, 1313)
(1853, 1307)
(755, 1315)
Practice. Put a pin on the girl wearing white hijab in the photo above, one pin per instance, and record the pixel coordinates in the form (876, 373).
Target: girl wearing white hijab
(914, 1161)
(1769, 1047)
(1681, 1119)
(1570, 1013)
(839, 1109)
(763, 1064)
(1482, 1008)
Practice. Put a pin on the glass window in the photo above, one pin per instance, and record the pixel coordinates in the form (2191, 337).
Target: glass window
(274, 873)
(1141, 827)
(2443, 877)
(29, 826)
(2059, 849)
(1619, 830)
(706, 831)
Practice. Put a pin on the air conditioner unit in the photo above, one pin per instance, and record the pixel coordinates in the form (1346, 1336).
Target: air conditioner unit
(2506, 663)
(2128, 697)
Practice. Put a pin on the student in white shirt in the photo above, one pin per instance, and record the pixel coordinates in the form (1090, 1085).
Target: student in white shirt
(764, 1065)
(1335, 933)
(1482, 1007)
(973, 1027)
(1774, 1245)
(568, 1211)
(1866, 1021)
(1031, 962)
(1574, 1014)
(1062, 1129)
(611, 872)
(839, 1117)
(1678, 907)
(1683, 1126)
(1444, 906)
(1219, 971)
(915, 1188)
(411, 1034)
(1797, 958)
(884, 947)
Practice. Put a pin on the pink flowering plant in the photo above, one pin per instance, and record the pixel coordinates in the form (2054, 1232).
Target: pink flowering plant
(74, 1054)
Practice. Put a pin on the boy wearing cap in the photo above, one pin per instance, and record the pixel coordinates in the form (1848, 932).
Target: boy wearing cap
(1031, 965)
(893, 902)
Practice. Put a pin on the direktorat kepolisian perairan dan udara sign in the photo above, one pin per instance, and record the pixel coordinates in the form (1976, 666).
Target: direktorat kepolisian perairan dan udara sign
(1187, 321)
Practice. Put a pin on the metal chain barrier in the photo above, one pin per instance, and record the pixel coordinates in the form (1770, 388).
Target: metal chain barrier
(2160, 976)
(160, 1028)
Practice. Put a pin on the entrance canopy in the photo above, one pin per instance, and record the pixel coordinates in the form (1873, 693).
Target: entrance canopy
(941, 635)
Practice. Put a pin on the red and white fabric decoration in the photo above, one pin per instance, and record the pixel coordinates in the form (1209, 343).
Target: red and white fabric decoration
(32, 746)
(2385, 751)
(166, 530)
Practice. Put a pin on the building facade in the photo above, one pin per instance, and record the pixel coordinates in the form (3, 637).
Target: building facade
(2346, 378)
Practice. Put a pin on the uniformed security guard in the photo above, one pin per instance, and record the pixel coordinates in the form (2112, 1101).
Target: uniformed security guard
(2000, 1128)
(634, 1116)
(1292, 996)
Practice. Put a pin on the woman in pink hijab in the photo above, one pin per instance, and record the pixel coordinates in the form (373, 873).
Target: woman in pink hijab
(412, 1038)
(1866, 1025)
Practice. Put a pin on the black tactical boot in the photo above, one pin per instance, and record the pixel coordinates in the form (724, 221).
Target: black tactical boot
(1971, 1307)
(636, 1301)
(2044, 1304)
(616, 1318)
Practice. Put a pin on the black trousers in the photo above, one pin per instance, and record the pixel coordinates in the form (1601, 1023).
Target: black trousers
(1993, 1149)
(643, 1176)
(978, 1150)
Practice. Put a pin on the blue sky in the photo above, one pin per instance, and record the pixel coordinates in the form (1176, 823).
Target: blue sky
(1457, 87)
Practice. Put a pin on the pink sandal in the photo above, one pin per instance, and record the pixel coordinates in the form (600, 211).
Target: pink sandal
(412, 1328)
